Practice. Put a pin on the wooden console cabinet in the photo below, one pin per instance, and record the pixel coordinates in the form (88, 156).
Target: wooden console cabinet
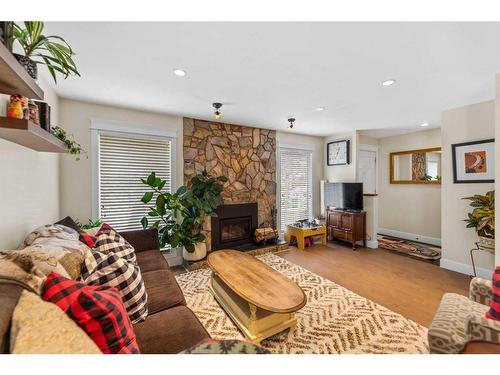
(347, 226)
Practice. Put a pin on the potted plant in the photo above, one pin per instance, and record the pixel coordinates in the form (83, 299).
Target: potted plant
(52, 50)
(179, 216)
(74, 148)
(482, 218)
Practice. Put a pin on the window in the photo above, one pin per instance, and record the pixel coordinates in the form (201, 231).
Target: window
(122, 160)
(295, 167)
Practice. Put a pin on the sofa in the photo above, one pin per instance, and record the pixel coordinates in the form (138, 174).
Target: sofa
(460, 323)
(170, 326)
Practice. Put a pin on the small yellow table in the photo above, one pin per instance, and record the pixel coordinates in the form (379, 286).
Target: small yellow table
(301, 233)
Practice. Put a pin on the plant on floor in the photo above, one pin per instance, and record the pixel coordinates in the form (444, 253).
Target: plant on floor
(179, 216)
(74, 147)
(52, 50)
(482, 217)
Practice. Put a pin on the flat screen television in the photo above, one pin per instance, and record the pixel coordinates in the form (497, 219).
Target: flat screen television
(344, 195)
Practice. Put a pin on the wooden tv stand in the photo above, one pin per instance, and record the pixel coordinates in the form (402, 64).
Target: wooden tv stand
(347, 226)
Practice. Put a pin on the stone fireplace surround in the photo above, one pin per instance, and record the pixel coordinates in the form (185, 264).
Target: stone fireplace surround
(245, 155)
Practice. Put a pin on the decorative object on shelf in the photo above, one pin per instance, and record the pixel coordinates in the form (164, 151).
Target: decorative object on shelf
(74, 147)
(338, 152)
(482, 218)
(291, 120)
(217, 114)
(18, 107)
(179, 217)
(6, 29)
(474, 161)
(44, 115)
(34, 116)
(52, 51)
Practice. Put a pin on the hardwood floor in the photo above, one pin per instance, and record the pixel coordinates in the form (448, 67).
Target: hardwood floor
(402, 284)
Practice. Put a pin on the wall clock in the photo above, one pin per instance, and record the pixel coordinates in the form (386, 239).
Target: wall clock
(337, 153)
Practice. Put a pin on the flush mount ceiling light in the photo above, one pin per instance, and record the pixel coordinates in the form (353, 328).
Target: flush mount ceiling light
(319, 109)
(179, 72)
(217, 114)
(389, 82)
(291, 120)
(424, 124)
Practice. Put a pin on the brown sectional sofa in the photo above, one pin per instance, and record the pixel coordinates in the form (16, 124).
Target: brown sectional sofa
(170, 327)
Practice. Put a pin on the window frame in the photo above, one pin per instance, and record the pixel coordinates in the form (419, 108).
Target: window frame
(109, 127)
(299, 147)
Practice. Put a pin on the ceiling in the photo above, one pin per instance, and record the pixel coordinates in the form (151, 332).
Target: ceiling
(264, 73)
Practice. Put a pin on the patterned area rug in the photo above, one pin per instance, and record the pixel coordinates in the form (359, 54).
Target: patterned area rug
(334, 320)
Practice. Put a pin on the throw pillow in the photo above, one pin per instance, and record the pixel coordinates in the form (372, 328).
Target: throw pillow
(98, 310)
(494, 311)
(39, 327)
(112, 271)
(108, 240)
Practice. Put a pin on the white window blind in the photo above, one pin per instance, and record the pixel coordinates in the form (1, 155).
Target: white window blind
(123, 161)
(295, 185)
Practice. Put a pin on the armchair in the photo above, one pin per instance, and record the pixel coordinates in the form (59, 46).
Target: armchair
(460, 320)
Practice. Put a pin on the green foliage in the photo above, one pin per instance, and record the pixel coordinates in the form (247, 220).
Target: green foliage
(52, 50)
(179, 217)
(91, 224)
(482, 217)
(74, 147)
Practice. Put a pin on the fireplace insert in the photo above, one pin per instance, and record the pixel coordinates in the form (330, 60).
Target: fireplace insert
(234, 225)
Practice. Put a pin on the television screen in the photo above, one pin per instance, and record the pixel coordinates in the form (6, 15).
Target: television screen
(344, 195)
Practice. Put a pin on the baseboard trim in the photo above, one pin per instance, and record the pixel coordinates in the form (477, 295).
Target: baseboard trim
(410, 236)
(372, 244)
(465, 268)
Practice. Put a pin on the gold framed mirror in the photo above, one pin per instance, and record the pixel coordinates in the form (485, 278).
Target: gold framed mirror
(416, 166)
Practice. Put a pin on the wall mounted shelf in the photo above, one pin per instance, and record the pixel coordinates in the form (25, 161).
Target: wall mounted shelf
(28, 134)
(14, 79)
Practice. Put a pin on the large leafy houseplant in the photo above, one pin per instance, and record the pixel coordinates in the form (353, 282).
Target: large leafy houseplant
(179, 216)
(51, 50)
(482, 217)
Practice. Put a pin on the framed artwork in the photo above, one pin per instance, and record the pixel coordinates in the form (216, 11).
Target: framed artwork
(338, 152)
(474, 161)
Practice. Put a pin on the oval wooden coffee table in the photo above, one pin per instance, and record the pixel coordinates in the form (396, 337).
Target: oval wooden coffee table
(258, 299)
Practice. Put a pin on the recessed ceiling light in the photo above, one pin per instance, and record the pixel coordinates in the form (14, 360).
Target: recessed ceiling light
(320, 109)
(179, 72)
(424, 124)
(389, 82)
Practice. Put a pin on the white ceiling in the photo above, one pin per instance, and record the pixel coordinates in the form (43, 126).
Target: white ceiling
(267, 72)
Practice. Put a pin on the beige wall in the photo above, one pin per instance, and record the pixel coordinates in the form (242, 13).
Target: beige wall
(76, 179)
(470, 123)
(317, 144)
(497, 158)
(29, 183)
(342, 173)
(414, 209)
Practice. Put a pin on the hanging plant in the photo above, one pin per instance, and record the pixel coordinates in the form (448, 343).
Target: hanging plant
(74, 147)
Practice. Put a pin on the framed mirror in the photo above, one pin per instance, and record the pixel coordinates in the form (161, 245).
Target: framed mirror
(416, 166)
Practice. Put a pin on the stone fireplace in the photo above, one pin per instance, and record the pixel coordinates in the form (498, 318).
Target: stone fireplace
(245, 155)
(234, 225)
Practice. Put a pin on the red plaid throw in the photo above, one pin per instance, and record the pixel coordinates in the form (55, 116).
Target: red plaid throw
(98, 310)
(494, 312)
(87, 239)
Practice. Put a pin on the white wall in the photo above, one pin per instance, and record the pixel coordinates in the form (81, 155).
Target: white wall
(408, 208)
(76, 181)
(316, 144)
(29, 183)
(465, 124)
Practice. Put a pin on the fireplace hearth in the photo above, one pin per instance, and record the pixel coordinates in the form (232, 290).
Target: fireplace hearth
(234, 225)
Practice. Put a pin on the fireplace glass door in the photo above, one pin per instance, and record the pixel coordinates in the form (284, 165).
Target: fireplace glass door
(235, 229)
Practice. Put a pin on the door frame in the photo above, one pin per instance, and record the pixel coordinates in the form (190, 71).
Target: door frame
(371, 148)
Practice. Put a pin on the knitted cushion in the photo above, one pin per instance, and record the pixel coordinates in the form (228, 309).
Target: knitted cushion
(112, 271)
(98, 310)
(494, 312)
